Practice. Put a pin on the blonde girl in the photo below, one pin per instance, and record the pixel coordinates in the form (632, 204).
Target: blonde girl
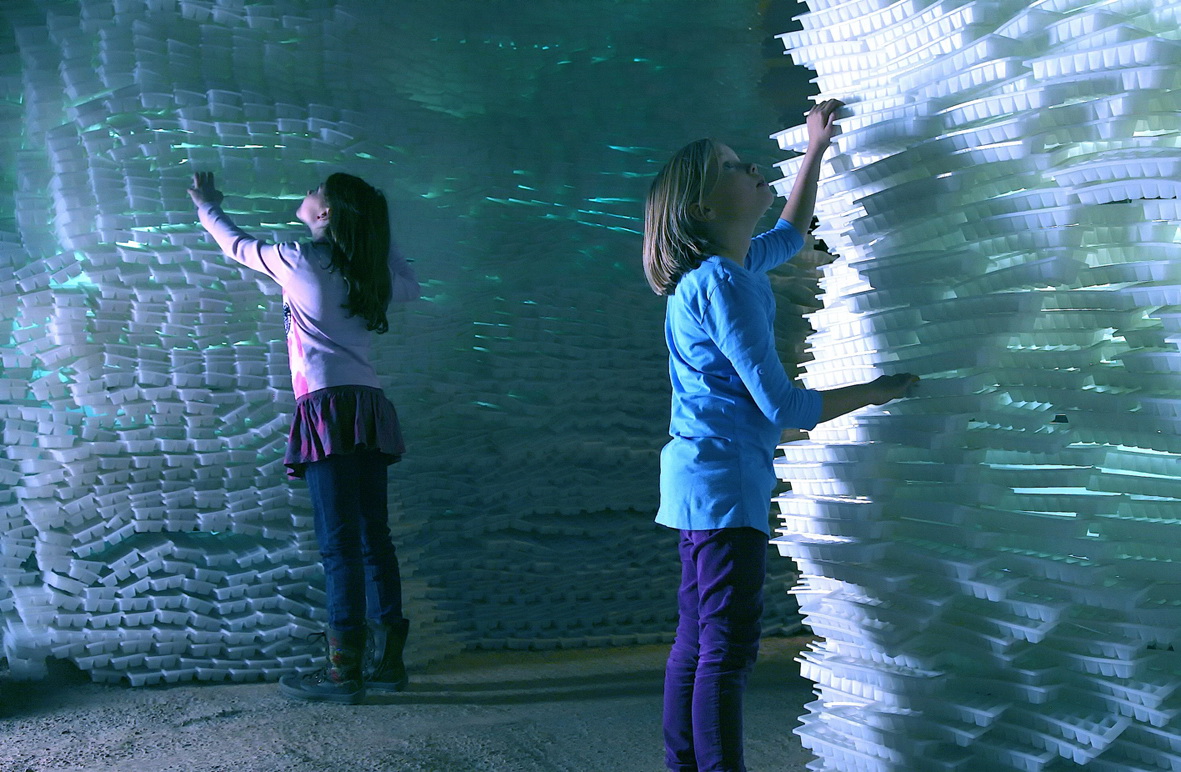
(731, 399)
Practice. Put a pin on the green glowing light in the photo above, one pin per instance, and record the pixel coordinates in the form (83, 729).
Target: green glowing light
(81, 280)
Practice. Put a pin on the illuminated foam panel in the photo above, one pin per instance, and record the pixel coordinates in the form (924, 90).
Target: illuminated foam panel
(147, 531)
(994, 566)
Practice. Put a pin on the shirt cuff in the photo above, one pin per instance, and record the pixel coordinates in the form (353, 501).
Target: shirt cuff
(812, 408)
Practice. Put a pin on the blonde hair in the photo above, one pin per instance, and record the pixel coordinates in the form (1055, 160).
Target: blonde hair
(674, 242)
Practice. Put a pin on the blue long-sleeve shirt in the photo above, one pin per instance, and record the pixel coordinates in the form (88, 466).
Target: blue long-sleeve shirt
(731, 397)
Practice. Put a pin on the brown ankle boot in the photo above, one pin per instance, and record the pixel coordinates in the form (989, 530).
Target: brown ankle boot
(384, 670)
(341, 680)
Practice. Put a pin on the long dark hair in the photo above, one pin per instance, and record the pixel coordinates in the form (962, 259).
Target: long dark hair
(359, 229)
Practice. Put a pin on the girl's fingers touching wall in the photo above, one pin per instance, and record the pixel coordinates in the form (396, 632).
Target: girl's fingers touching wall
(203, 190)
(821, 121)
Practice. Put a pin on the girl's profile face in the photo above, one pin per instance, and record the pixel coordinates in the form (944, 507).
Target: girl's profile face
(313, 210)
(735, 187)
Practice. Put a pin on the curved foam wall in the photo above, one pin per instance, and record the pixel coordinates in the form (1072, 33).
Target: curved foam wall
(147, 531)
(993, 564)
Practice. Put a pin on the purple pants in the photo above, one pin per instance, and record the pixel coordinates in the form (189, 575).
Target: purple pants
(721, 607)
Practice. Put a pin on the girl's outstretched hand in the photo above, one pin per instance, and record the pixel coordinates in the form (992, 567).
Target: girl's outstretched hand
(203, 191)
(890, 387)
(822, 124)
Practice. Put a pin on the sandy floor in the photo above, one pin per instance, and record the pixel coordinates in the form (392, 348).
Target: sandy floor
(585, 711)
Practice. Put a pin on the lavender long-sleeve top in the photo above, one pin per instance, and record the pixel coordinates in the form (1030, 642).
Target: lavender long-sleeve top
(325, 345)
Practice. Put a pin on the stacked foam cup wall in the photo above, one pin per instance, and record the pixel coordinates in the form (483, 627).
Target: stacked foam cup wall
(994, 565)
(147, 530)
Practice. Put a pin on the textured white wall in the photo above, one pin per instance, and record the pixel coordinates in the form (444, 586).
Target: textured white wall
(994, 563)
(146, 528)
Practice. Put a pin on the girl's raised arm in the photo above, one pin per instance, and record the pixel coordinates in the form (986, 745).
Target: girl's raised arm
(404, 285)
(801, 202)
(275, 260)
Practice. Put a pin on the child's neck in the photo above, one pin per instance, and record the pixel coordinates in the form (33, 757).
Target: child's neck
(732, 240)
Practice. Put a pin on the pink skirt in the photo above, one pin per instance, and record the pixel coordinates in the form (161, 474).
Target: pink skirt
(340, 420)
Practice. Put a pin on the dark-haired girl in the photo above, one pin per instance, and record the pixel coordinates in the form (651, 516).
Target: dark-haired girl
(344, 433)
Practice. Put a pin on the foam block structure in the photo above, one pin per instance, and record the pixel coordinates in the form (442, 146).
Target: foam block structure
(147, 531)
(992, 564)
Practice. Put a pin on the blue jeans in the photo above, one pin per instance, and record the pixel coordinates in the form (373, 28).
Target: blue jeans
(721, 607)
(349, 501)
